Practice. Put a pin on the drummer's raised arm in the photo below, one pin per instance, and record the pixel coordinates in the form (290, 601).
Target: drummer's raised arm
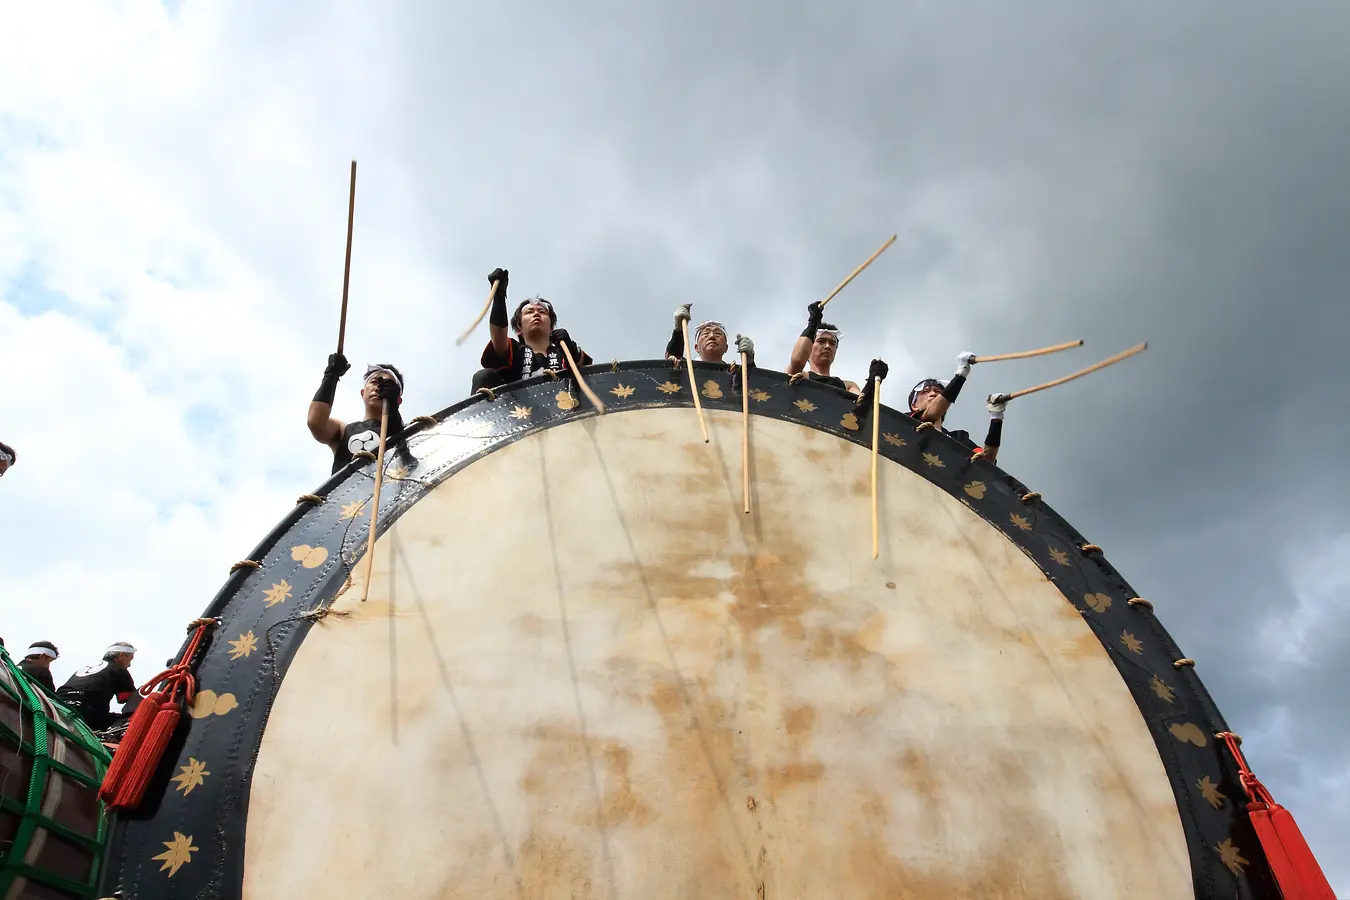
(801, 351)
(996, 404)
(322, 425)
(497, 320)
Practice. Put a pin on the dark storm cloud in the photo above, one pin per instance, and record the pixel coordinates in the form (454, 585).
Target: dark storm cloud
(1116, 171)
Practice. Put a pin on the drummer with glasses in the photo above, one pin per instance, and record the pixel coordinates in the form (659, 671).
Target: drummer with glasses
(931, 398)
(709, 339)
(382, 382)
(815, 350)
(538, 344)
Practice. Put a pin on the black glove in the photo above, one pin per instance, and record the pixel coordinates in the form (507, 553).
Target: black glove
(500, 275)
(878, 370)
(388, 390)
(815, 314)
(561, 337)
(336, 368)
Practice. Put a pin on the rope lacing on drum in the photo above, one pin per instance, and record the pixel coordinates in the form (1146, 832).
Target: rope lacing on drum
(923, 426)
(429, 421)
(796, 377)
(1140, 601)
(614, 364)
(1183, 663)
(308, 498)
(1088, 548)
(245, 564)
(1029, 496)
(364, 454)
(316, 615)
(488, 393)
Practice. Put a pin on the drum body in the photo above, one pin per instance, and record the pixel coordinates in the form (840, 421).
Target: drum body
(582, 671)
(52, 824)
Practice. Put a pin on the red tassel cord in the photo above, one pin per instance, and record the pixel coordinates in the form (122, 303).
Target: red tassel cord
(151, 728)
(1291, 860)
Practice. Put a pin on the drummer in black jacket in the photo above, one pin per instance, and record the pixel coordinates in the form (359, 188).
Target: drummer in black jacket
(90, 690)
(931, 398)
(538, 345)
(815, 349)
(37, 663)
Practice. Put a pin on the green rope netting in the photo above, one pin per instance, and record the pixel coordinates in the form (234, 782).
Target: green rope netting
(36, 743)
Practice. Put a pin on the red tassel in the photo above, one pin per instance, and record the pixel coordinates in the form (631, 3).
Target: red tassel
(1291, 859)
(147, 757)
(137, 727)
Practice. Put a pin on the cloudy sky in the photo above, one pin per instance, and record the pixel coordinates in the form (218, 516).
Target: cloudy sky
(173, 189)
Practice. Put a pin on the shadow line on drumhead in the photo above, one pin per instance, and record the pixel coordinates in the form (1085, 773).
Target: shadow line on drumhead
(572, 667)
(467, 735)
(680, 681)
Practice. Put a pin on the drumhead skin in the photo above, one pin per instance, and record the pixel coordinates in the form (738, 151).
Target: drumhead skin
(583, 671)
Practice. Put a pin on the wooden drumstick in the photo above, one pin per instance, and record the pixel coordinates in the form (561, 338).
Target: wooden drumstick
(581, 382)
(375, 504)
(876, 434)
(347, 266)
(1125, 354)
(1024, 354)
(693, 385)
(492, 295)
(745, 432)
(843, 284)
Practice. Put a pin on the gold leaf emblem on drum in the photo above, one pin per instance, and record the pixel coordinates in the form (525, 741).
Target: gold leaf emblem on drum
(934, 460)
(896, 440)
(520, 412)
(1059, 556)
(976, 489)
(849, 421)
(1188, 733)
(759, 396)
(712, 390)
(1210, 791)
(1132, 643)
(1161, 689)
(804, 405)
(209, 703)
(1096, 602)
(622, 391)
(190, 776)
(1023, 523)
(246, 644)
(566, 400)
(353, 509)
(178, 854)
(397, 473)
(669, 387)
(309, 557)
(1232, 858)
(281, 591)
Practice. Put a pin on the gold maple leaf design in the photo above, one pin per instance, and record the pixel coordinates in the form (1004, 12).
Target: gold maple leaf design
(894, 439)
(759, 396)
(1021, 522)
(520, 412)
(278, 593)
(191, 775)
(246, 644)
(1097, 602)
(669, 387)
(178, 854)
(804, 405)
(1231, 856)
(1211, 792)
(933, 460)
(398, 472)
(623, 391)
(1132, 643)
(353, 509)
(1059, 556)
(1161, 689)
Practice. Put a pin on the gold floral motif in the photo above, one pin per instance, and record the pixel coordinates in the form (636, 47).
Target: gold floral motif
(178, 854)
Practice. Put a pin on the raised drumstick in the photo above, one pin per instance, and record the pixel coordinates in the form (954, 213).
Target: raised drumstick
(1025, 354)
(843, 284)
(1124, 354)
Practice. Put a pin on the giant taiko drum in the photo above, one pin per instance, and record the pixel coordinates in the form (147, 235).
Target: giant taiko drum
(583, 671)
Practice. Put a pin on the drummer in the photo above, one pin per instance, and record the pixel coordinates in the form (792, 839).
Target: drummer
(37, 663)
(710, 341)
(537, 346)
(931, 398)
(91, 689)
(382, 382)
(816, 349)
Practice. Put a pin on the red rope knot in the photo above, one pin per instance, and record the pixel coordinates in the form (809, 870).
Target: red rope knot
(1139, 601)
(1183, 663)
(308, 498)
(245, 564)
(1088, 548)
(1029, 496)
(923, 426)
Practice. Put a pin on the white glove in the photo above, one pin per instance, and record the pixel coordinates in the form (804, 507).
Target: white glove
(996, 404)
(682, 313)
(746, 346)
(964, 361)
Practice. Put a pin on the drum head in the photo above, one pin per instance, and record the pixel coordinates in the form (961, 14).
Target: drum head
(583, 671)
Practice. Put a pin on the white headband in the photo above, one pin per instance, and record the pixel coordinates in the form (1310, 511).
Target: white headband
(698, 332)
(120, 648)
(372, 369)
(41, 651)
(6, 457)
(832, 332)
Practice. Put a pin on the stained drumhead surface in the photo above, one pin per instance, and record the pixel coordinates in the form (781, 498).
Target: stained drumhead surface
(583, 671)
